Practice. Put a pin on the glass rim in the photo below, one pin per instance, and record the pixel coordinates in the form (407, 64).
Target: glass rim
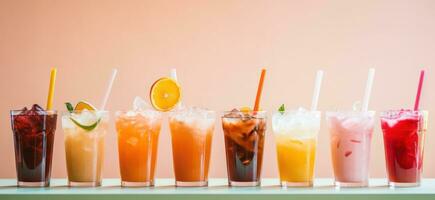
(138, 111)
(178, 111)
(40, 112)
(122, 112)
(350, 112)
(262, 114)
(91, 111)
(251, 111)
(386, 113)
(296, 111)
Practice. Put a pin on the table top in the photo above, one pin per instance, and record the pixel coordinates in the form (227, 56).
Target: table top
(217, 189)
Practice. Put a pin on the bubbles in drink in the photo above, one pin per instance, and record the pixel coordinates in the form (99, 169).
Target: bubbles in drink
(132, 141)
(140, 104)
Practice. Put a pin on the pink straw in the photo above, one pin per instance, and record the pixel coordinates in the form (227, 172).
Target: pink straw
(420, 85)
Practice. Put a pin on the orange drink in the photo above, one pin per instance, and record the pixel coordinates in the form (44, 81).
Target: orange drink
(296, 138)
(138, 133)
(191, 131)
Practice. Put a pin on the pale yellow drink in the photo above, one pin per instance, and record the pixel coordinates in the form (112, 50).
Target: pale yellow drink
(84, 147)
(296, 138)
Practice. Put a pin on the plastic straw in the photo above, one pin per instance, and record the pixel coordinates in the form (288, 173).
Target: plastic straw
(109, 89)
(368, 90)
(259, 90)
(316, 93)
(420, 86)
(51, 88)
(174, 74)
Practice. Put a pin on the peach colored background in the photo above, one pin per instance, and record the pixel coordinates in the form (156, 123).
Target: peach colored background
(218, 48)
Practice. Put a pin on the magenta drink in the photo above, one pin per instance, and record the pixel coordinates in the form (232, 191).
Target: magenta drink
(33, 137)
(404, 132)
(351, 134)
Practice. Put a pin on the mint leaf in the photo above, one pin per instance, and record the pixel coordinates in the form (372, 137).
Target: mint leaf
(281, 109)
(69, 107)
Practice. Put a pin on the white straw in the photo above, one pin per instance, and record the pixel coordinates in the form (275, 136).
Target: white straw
(316, 93)
(109, 89)
(368, 90)
(174, 74)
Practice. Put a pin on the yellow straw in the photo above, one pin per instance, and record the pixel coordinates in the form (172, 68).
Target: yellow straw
(51, 89)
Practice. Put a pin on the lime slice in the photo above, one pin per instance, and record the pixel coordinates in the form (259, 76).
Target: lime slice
(86, 127)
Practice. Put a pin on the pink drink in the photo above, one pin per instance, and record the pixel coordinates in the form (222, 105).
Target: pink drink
(404, 132)
(351, 134)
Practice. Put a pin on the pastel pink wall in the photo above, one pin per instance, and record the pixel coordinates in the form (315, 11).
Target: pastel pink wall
(218, 48)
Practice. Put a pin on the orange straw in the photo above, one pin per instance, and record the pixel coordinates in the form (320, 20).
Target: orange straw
(259, 90)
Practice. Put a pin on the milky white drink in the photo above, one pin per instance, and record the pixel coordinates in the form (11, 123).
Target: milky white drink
(351, 134)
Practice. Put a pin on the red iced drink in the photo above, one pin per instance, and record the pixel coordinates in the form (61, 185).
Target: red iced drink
(33, 137)
(404, 132)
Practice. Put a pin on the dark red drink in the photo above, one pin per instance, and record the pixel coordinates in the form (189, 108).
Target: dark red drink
(244, 140)
(33, 137)
(404, 132)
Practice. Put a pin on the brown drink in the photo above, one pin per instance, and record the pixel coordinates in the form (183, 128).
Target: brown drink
(244, 139)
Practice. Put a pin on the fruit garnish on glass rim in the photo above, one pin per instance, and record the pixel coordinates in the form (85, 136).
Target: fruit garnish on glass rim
(165, 94)
(245, 109)
(81, 106)
(281, 109)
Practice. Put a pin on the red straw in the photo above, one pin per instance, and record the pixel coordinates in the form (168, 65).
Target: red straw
(420, 85)
(259, 90)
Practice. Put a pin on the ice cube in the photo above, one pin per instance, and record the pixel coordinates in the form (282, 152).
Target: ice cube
(202, 118)
(357, 106)
(87, 117)
(67, 123)
(36, 110)
(36, 107)
(302, 109)
(23, 111)
(234, 113)
(139, 104)
(299, 123)
(351, 123)
(131, 113)
(132, 141)
(243, 132)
